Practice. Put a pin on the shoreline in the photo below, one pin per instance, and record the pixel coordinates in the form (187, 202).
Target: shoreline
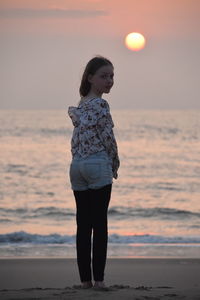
(115, 250)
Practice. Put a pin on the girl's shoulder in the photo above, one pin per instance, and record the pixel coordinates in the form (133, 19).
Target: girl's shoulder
(95, 106)
(99, 103)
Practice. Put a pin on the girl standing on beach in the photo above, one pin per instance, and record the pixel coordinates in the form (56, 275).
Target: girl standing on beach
(94, 165)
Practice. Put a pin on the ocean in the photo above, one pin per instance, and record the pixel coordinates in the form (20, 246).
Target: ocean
(155, 205)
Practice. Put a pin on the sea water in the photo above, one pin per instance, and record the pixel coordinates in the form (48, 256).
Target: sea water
(155, 205)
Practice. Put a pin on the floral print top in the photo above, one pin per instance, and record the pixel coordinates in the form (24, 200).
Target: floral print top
(93, 130)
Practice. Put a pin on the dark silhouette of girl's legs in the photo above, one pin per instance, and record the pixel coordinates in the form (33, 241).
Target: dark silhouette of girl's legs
(92, 207)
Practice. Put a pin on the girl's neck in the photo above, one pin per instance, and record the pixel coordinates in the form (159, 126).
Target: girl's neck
(92, 94)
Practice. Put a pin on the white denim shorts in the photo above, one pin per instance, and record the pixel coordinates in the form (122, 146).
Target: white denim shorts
(92, 172)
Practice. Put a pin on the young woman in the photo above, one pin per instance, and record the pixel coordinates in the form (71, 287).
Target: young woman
(94, 164)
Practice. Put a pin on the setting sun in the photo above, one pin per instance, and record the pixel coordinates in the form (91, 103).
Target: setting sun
(135, 41)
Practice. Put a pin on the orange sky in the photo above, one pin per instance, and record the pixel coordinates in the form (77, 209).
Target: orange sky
(39, 35)
(152, 17)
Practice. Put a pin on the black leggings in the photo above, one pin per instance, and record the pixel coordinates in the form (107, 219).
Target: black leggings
(92, 207)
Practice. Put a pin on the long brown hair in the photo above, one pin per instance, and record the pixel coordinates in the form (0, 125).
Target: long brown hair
(92, 66)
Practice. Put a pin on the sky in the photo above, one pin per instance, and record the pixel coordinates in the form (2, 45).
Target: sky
(45, 45)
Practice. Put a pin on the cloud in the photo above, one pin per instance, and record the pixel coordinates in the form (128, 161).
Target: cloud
(51, 13)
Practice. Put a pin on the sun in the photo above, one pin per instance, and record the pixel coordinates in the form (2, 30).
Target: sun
(135, 41)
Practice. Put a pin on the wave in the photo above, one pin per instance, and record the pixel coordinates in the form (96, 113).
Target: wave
(118, 212)
(22, 237)
(40, 212)
(154, 212)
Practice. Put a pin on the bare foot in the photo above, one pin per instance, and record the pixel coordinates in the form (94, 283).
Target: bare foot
(100, 285)
(87, 285)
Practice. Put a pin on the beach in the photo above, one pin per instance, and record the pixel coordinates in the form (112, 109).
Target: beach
(136, 278)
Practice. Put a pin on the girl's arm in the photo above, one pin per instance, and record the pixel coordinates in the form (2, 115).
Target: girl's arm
(105, 131)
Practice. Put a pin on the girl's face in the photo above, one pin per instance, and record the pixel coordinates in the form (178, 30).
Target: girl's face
(102, 81)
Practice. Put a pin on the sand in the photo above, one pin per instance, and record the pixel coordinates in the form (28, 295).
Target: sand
(129, 279)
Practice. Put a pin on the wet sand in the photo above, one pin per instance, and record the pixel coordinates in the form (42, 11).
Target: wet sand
(54, 278)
